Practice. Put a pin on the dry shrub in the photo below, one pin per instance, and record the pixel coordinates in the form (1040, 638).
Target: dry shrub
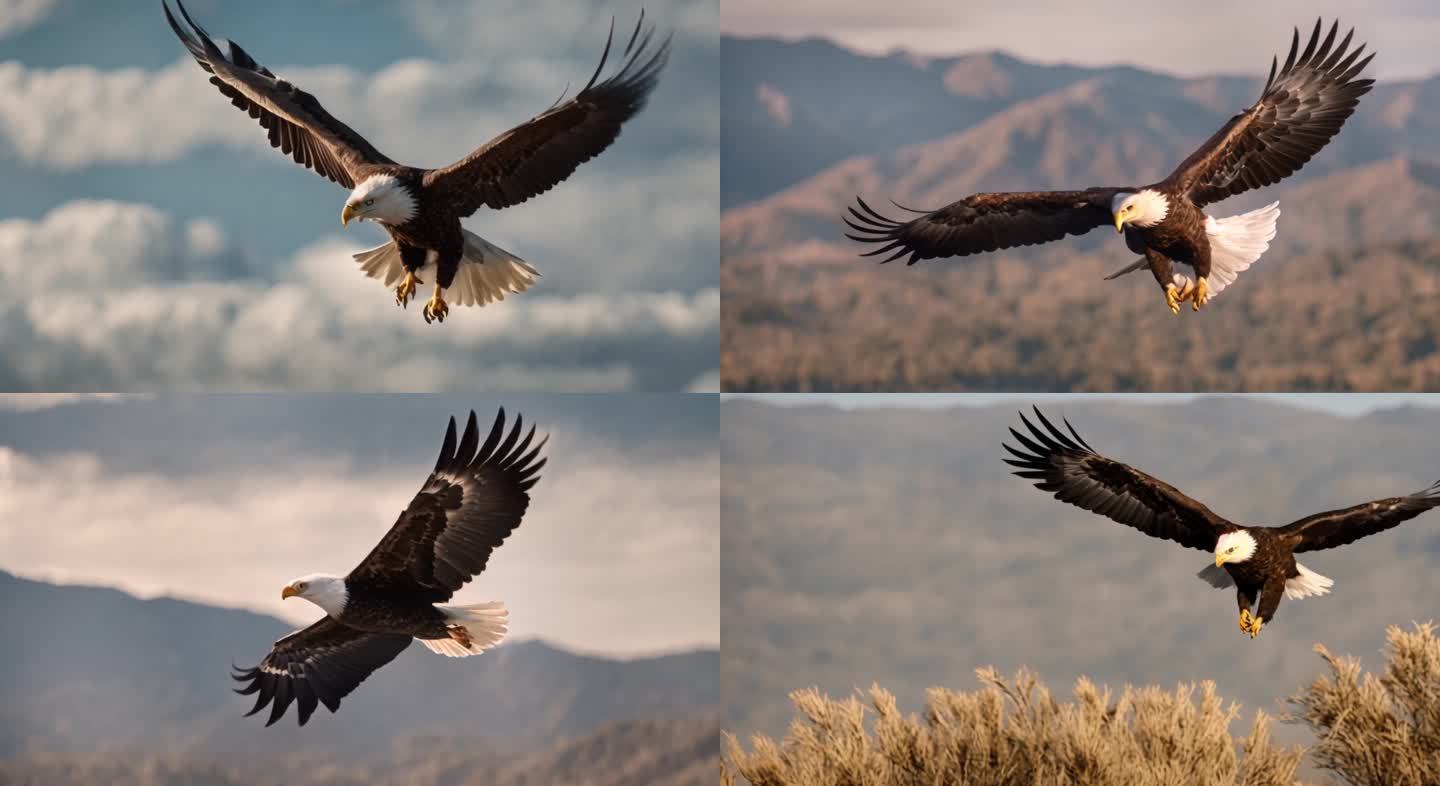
(1379, 730)
(1371, 730)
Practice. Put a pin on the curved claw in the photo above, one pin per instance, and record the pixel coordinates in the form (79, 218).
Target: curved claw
(435, 309)
(405, 292)
(1201, 295)
(1172, 299)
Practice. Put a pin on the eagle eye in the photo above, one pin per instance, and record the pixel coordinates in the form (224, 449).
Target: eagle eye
(302, 585)
(369, 202)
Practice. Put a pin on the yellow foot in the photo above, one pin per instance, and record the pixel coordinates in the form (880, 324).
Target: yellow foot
(1172, 298)
(460, 635)
(1200, 298)
(1245, 620)
(406, 291)
(1255, 625)
(435, 309)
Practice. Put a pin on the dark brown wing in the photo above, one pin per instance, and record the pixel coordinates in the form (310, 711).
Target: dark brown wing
(533, 158)
(982, 222)
(1299, 110)
(321, 664)
(1339, 527)
(469, 505)
(1067, 467)
(298, 125)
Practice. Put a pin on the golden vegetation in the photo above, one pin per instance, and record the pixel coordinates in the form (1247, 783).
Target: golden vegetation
(1339, 321)
(1371, 730)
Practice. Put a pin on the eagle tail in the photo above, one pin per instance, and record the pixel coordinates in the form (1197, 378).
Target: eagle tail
(485, 624)
(488, 273)
(1307, 584)
(1236, 243)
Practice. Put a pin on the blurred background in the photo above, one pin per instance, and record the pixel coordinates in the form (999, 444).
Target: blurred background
(150, 239)
(144, 541)
(880, 539)
(926, 102)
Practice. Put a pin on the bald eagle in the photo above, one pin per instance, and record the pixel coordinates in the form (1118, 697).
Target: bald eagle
(1258, 561)
(421, 208)
(1300, 108)
(470, 503)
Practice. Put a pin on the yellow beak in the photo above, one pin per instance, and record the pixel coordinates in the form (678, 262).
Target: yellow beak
(1119, 223)
(1219, 560)
(347, 214)
(288, 592)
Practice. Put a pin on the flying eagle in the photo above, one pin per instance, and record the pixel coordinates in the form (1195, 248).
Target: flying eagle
(1300, 109)
(421, 208)
(1258, 561)
(468, 506)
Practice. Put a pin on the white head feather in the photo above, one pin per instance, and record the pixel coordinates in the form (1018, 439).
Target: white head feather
(1144, 208)
(382, 198)
(327, 592)
(1236, 546)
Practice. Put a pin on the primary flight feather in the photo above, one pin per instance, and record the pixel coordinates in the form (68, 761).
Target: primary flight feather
(1302, 106)
(421, 208)
(472, 501)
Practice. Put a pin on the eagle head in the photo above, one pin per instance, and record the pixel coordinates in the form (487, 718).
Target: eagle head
(1144, 208)
(1236, 546)
(383, 198)
(327, 592)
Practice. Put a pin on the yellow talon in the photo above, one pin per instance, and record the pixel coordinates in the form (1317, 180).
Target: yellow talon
(1202, 294)
(406, 291)
(435, 309)
(1255, 627)
(1245, 619)
(1172, 298)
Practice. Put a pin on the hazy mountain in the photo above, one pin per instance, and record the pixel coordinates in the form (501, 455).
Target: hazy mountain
(96, 670)
(893, 546)
(1329, 307)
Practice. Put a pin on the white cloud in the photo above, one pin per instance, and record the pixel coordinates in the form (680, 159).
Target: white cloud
(18, 15)
(32, 402)
(589, 568)
(110, 314)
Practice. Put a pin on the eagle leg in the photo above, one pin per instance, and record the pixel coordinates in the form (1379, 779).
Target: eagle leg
(1172, 299)
(1255, 626)
(1245, 619)
(1200, 297)
(460, 635)
(435, 309)
(406, 291)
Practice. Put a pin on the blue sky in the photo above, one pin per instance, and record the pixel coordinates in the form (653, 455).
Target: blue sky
(225, 499)
(1336, 403)
(151, 240)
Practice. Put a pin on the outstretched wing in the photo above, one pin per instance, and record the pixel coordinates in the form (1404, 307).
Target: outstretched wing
(469, 505)
(1299, 110)
(1067, 467)
(321, 664)
(981, 222)
(533, 158)
(298, 125)
(1339, 527)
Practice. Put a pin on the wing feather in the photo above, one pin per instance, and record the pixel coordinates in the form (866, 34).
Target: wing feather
(534, 157)
(468, 506)
(294, 120)
(1339, 527)
(321, 664)
(981, 223)
(1065, 465)
(1302, 106)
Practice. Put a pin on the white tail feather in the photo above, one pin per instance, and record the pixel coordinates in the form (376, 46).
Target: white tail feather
(1307, 584)
(1216, 577)
(487, 272)
(487, 624)
(1236, 243)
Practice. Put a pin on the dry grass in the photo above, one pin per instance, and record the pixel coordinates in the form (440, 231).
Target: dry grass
(1370, 729)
